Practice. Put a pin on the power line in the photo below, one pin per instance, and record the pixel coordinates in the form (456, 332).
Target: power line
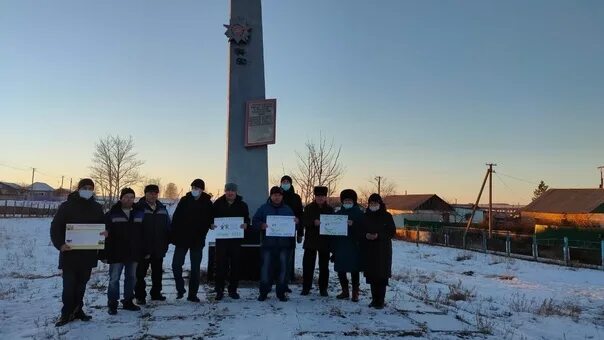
(519, 179)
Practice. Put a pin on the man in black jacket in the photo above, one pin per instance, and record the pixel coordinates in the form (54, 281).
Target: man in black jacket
(77, 265)
(156, 237)
(190, 224)
(315, 242)
(294, 201)
(124, 246)
(228, 251)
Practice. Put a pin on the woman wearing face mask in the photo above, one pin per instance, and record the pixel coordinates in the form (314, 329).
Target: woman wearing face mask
(347, 251)
(377, 249)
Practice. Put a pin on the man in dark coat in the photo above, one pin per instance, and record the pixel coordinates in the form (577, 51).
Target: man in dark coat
(294, 201)
(377, 249)
(314, 242)
(156, 237)
(274, 250)
(124, 246)
(80, 208)
(190, 224)
(228, 251)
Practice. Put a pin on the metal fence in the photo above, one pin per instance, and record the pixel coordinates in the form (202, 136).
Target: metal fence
(19, 209)
(562, 251)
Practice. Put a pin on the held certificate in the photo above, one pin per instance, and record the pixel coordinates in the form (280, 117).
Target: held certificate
(85, 236)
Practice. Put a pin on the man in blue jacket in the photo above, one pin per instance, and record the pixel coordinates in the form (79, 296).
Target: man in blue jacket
(123, 248)
(274, 250)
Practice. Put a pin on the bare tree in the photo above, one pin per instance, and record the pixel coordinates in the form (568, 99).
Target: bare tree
(114, 166)
(386, 188)
(318, 165)
(171, 191)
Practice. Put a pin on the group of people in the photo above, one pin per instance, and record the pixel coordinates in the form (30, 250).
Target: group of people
(138, 234)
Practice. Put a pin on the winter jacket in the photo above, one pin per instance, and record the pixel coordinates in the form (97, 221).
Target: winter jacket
(73, 211)
(125, 241)
(294, 201)
(347, 249)
(238, 208)
(312, 238)
(156, 229)
(377, 254)
(268, 209)
(191, 221)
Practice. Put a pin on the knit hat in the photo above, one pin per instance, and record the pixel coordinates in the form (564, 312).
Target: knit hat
(348, 194)
(286, 178)
(85, 181)
(152, 188)
(320, 191)
(126, 191)
(199, 183)
(230, 187)
(276, 190)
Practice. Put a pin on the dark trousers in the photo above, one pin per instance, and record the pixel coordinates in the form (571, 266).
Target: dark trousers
(356, 279)
(308, 268)
(140, 289)
(74, 287)
(274, 260)
(378, 290)
(228, 260)
(179, 260)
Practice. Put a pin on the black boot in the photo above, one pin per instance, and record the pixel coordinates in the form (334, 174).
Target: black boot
(112, 307)
(129, 305)
(234, 295)
(63, 320)
(323, 292)
(374, 296)
(345, 294)
(219, 295)
(158, 297)
(79, 314)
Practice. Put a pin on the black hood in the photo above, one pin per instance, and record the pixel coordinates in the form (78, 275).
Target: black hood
(75, 196)
(203, 195)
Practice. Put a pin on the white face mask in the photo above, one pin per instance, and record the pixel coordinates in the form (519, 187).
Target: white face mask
(85, 194)
(286, 186)
(196, 192)
(374, 207)
(347, 205)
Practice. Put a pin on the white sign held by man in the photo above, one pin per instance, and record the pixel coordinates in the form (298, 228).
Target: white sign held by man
(281, 226)
(334, 225)
(228, 227)
(85, 236)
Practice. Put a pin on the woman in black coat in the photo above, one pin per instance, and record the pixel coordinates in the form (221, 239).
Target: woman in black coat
(377, 249)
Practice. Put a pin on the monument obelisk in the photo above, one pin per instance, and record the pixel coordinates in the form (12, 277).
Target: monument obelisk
(246, 165)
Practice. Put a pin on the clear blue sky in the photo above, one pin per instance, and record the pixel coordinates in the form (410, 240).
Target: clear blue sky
(421, 92)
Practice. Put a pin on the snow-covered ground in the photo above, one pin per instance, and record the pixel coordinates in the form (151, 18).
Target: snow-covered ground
(436, 293)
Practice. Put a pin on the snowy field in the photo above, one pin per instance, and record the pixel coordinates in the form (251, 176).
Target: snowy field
(436, 293)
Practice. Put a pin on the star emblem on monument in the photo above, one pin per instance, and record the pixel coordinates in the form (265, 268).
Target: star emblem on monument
(238, 31)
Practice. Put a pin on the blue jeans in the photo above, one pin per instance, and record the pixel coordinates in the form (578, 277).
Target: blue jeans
(115, 272)
(179, 260)
(272, 257)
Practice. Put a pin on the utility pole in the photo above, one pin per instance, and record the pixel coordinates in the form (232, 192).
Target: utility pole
(491, 197)
(70, 184)
(62, 177)
(33, 174)
(379, 183)
(488, 175)
(601, 176)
